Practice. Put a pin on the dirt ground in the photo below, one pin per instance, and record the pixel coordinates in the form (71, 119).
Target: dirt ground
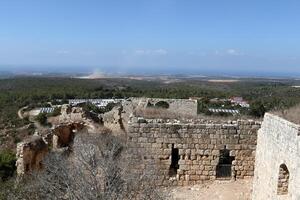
(218, 190)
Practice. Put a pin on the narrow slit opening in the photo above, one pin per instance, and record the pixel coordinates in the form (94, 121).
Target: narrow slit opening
(174, 161)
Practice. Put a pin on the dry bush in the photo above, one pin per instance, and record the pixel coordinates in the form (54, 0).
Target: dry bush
(292, 114)
(97, 168)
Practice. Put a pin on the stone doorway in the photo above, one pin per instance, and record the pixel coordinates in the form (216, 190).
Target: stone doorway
(224, 167)
(174, 162)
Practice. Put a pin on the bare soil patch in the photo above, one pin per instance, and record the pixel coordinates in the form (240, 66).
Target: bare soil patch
(217, 190)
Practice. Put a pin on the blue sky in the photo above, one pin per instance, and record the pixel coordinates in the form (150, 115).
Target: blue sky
(155, 36)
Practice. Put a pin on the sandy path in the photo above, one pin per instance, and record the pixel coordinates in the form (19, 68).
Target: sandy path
(218, 190)
(20, 112)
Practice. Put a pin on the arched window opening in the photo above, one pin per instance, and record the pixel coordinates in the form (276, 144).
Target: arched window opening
(225, 164)
(283, 180)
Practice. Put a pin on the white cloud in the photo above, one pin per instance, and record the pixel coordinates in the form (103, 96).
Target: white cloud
(124, 52)
(233, 52)
(217, 52)
(197, 53)
(140, 52)
(228, 52)
(150, 52)
(84, 53)
(160, 51)
(62, 52)
(88, 53)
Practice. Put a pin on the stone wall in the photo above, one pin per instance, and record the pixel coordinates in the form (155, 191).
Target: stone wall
(199, 144)
(63, 134)
(113, 120)
(69, 114)
(278, 145)
(30, 154)
(180, 106)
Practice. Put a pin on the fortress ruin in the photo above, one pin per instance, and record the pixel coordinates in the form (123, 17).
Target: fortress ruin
(181, 152)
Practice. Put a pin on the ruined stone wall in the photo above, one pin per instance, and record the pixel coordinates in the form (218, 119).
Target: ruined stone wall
(278, 144)
(63, 134)
(113, 120)
(30, 154)
(32, 151)
(72, 114)
(179, 106)
(198, 143)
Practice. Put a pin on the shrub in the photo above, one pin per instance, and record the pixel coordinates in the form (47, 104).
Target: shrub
(162, 104)
(149, 105)
(202, 107)
(109, 107)
(7, 164)
(100, 168)
(56, 112)
(257, 109)
(42, 118)
(91, 107)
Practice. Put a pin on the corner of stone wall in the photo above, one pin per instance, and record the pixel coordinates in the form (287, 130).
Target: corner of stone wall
(30, 154)
(278, 143)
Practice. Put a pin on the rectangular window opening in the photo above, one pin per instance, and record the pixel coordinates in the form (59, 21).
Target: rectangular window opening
(174, 161)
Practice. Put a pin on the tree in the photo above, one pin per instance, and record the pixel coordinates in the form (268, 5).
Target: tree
(42, 118)
(257, 109)
(202, 107)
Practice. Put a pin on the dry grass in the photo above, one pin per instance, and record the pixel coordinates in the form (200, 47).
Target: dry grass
(292, 114)
(159, 113)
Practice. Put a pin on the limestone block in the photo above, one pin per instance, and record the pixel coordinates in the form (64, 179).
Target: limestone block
(215, 152)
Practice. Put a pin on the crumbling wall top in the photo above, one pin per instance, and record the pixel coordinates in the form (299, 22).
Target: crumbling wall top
(142, 120)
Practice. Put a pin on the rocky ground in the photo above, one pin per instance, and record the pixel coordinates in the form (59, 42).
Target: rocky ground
(218, 190)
